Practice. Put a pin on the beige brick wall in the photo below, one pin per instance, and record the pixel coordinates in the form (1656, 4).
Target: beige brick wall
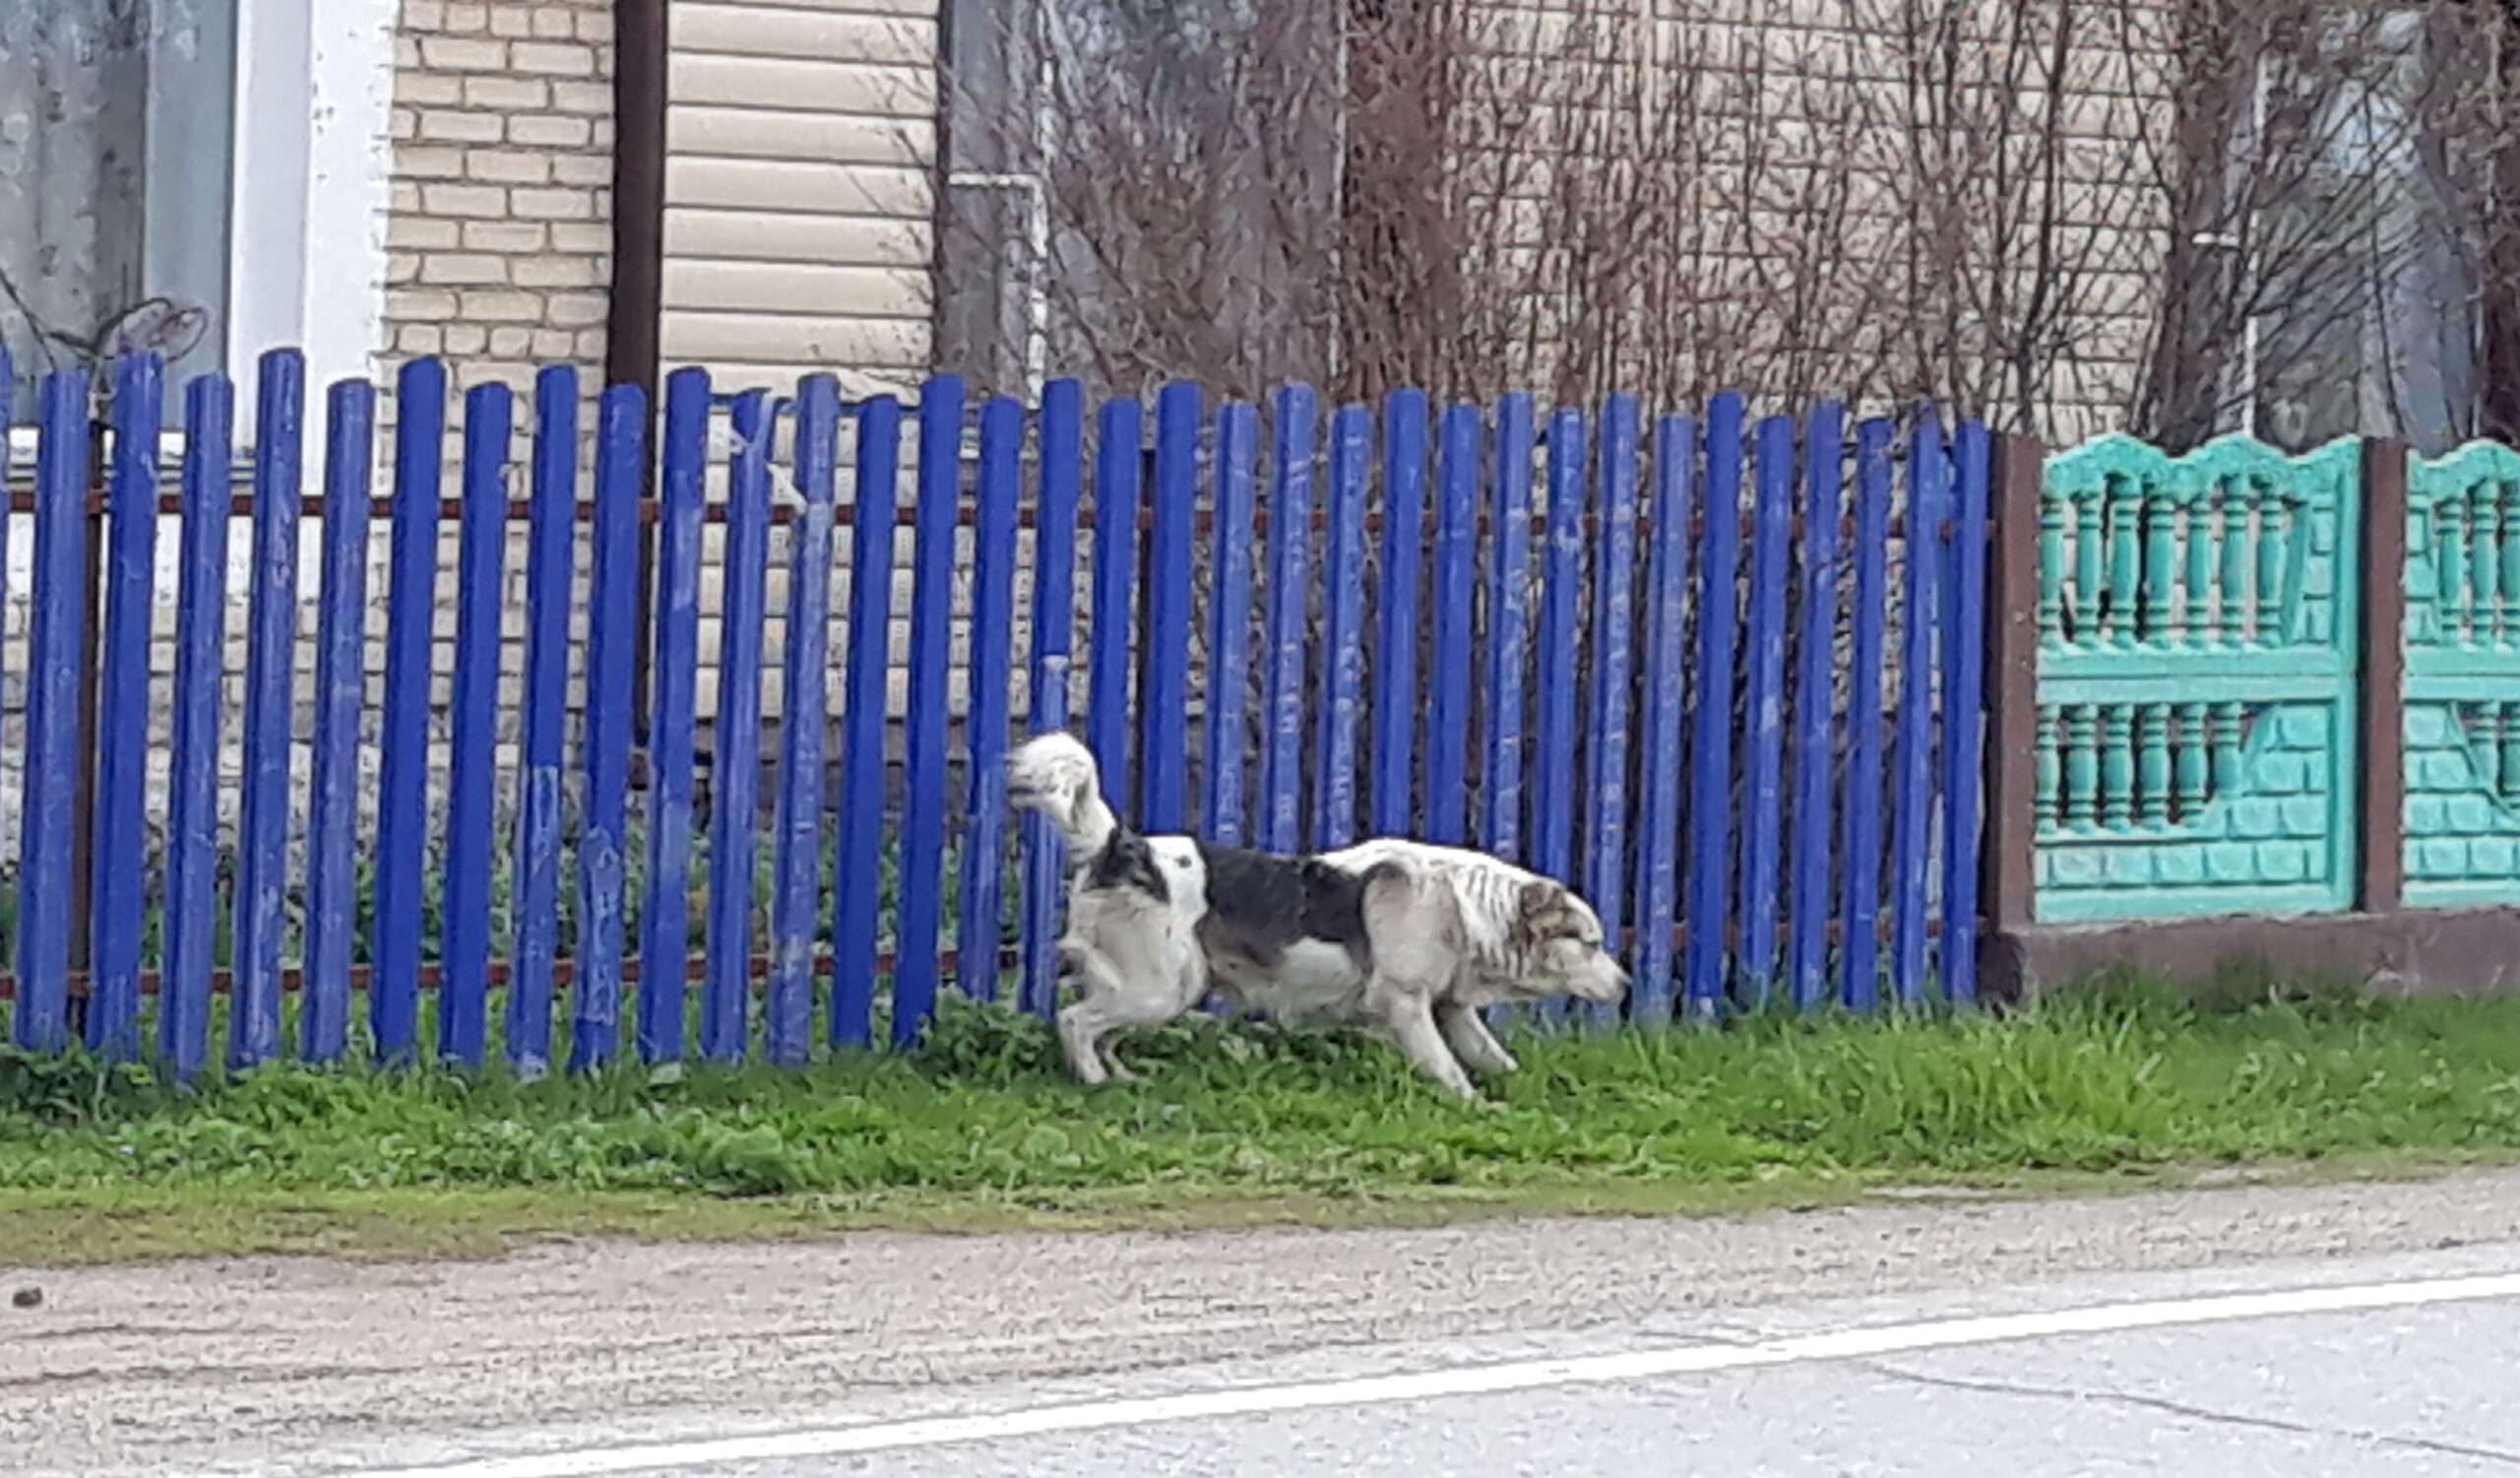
(500, 237)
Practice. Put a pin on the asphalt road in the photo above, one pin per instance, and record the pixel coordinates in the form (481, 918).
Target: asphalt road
(2336, 1331)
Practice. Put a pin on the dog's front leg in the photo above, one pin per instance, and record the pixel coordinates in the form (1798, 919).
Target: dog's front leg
(1470, 1041)
(1412, 1026)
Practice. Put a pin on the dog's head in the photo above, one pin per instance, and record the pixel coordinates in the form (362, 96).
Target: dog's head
(1560, 937)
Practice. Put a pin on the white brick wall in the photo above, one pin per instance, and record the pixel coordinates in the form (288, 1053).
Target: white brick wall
(500, 235)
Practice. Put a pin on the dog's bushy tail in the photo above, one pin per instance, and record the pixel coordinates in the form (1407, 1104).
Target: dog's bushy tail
(1056, 773)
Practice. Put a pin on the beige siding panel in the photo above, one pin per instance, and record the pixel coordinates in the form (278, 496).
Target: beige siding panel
(730, 375)
(788, 185)
(806, 86)
(822, 138)
(795, 338)
(784, 287)
(835, 240)
(808, 35)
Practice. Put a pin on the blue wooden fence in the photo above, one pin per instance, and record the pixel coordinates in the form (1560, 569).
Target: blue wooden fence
(1714, 672)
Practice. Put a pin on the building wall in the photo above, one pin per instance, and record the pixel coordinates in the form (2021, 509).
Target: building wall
(799, 224)
(500, 237)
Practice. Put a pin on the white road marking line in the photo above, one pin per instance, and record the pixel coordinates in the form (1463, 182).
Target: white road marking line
(1528, 1374)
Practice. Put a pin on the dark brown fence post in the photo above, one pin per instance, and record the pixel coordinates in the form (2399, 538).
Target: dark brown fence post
(2381, 699)
(2012, 712)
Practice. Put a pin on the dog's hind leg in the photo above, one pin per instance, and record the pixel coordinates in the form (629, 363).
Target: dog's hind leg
(1470, 1041)
(1112, 1000)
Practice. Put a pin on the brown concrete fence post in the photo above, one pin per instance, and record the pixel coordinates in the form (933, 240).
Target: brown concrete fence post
(2380, 708)
(2012, 713)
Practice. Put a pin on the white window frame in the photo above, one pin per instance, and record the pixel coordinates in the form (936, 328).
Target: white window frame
(310, 189)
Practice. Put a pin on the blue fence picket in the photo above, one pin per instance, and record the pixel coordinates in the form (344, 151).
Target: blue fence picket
(550, 569)
(46, 831)
(1229, 623)
(788, 1006)
(1763, 737)
(610, 665)
(1164, 745)
(410, 613)
(1561, 587)
(1290, 544)
(1395, 699)
(1807, 947)
(979, 939)
(1062, 458)
(118, 837)
(1448, 680)
(464, 990)
(1662, 769)
(1860, 904)
(665, 920)
(1912, 812)
(341, 694)
(922, 854)
(1119, 473)
(1964, 656)
(192, 804)
(1606, 747)
(262, 866)
(735, 810)
(1508, 629)
(1343, 632)
(860, 860)
(1710, 738)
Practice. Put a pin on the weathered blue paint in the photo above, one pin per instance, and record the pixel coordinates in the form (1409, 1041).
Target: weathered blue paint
(1054, 650)
(1229, 677)
(1164, 693)
(340, 692)
(1913, 811)
(1403, 523)
(1964, 648)
(979, 940)
(859, 861)
(1562, 581)
(118, 837)
(1711, 735)
(1457, 478)
(1290, 544)
(665, 920)
(1119, 475)
(922, 821)
(550, 569)
(192, 816)
(1663, 768)
(734, 802)
(622, 442)
(788, 1008)
(1343, 631)
(1763, 737)
(464, 984)
(1605, 745)
(1508, 629)
(410, 609)
(262, 865)
(45, 837)
(1860, 904)
(1807, 961)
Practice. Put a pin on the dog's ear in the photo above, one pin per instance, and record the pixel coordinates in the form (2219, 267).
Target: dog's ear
(1537, 908)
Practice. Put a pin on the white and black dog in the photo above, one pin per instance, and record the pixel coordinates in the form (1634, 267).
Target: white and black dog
(1404, 939)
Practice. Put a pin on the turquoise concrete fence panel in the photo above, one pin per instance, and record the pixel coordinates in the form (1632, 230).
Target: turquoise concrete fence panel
(2197, 658)
(2463, 679)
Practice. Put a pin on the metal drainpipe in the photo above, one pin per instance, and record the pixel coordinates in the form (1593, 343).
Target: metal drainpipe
(631, 329)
